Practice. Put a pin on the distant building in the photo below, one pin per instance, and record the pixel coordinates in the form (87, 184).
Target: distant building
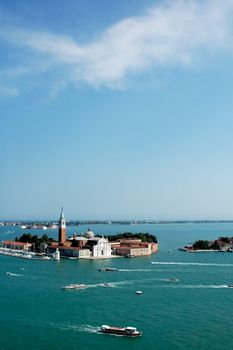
(87, 246)
(17, 245)
(133, 247)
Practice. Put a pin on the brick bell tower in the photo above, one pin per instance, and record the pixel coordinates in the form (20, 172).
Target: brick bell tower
(62, 228)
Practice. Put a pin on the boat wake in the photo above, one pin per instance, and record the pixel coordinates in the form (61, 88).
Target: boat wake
(88, 329)
(102, 284)
(189, 263)
(75, 328)
(13, 274)
(136, 270)
(111, 284)
(198, 286)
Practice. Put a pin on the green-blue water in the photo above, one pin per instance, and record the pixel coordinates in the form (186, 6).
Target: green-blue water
(195, 313)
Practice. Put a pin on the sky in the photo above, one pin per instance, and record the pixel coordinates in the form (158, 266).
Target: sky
(116, 109)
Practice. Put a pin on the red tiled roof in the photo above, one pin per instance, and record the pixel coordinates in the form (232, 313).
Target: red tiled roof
(17, 243)
(65, 248)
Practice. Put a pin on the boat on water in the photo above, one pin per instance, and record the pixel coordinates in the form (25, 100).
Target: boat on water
(105, 284)
(26, 255)
(46, 257)
(74, 286)
(129, 256)
(230, 286)
(123, 331)
(174, 280)
(138, 292)
(107, 269)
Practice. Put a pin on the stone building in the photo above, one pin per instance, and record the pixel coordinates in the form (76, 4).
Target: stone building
(79, 246)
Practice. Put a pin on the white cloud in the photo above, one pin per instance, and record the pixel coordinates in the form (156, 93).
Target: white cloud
(173, 33)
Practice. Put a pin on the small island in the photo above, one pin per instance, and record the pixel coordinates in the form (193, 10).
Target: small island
(81, 246)
(222, 244)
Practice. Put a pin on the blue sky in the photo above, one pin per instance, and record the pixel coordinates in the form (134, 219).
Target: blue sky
(116, 110)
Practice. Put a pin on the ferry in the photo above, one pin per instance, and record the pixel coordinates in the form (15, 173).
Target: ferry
(124, 331)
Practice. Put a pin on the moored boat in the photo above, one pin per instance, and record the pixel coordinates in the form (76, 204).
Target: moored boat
(124, 331)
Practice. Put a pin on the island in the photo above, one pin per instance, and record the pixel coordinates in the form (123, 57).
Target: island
(222, 244)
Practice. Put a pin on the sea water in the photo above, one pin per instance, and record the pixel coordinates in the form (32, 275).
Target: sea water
(194, 312)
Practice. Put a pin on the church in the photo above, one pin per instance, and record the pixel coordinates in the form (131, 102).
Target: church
(86, 246)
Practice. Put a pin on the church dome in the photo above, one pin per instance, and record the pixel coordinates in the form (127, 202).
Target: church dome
(90, 234)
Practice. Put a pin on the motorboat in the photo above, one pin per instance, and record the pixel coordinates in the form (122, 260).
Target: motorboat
(46, 257)
(174, 280)
(138, 292)
(230, 286)
(123, 331)
(74, 286)
(107, 269)
(129, 256)
(105, 284)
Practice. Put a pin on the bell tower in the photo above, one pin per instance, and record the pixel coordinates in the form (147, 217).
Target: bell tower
(62, 228)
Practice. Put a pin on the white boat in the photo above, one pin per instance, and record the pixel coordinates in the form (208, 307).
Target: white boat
(26, 255)
(174, 280)
(105, 284)
(138, 292)
(45, 257)
(74, 286)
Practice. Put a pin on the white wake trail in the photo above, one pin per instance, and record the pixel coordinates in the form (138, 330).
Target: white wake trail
(189, 263)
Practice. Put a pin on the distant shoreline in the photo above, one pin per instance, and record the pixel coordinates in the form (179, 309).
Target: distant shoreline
(12, 222)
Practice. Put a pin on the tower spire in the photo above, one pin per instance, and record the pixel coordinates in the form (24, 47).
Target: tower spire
(62, 228)
(62, 217)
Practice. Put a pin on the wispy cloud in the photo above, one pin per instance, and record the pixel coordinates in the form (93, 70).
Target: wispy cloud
(172, 33)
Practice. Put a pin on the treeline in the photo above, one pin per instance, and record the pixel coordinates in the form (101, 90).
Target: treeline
(29, 238)
(145, 237)
(206, 245)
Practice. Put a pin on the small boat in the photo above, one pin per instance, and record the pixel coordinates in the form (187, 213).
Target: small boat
(129, 256)
(74, 286)
(230, 286)
(138, 292)
(26, 255)
(107, 269)
(46, 257)
(124, 331)
(105, 284)
(174, 280)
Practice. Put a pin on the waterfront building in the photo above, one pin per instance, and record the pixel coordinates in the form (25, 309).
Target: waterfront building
(17, 245)
(134, 247)
(79, 246)
(86, 246)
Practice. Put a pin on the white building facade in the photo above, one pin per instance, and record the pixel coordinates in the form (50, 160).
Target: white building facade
(101, 247)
